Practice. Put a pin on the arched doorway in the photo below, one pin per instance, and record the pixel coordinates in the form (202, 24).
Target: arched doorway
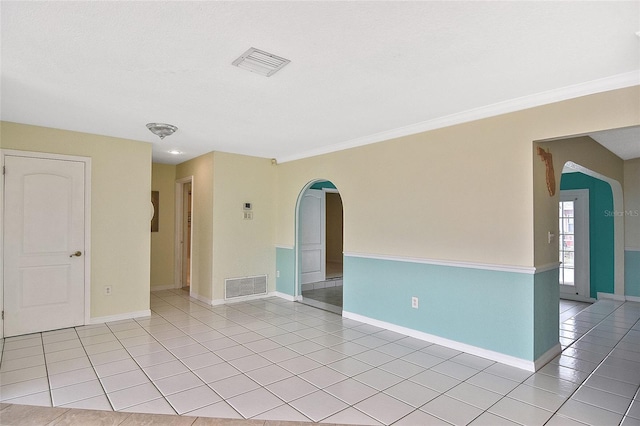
(319, 246)
(605, 230)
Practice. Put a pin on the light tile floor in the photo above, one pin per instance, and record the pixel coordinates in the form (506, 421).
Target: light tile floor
(271, 359)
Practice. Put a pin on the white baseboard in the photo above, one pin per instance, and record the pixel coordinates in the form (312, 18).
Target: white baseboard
(217, 302)
(284, 296)
(547, 356)
(609, 296)
(473, 350)
(577, 298)
(120, 317)
(618, 297)
(201, 298)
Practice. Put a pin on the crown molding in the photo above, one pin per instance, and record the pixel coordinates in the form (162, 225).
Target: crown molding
(606, 84)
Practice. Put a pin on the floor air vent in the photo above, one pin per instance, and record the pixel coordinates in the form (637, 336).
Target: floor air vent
(246, 286)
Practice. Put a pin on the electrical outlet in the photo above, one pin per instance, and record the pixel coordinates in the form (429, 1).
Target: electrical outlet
(107, 290)
(277, 274)
(414, 302)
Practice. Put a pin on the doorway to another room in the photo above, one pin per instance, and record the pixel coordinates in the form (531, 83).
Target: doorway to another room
(574, 277)
(587, 234)
(320, 247)
(184, 208)
(45, 220)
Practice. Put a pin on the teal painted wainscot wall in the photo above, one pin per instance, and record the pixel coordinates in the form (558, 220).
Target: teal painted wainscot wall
(502, 312)
(323, 184)
(601, 229)
(285, 265)
(505, 312)
(632, 273)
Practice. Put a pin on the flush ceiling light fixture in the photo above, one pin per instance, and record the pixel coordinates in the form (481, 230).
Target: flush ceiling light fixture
(161, 129)
(175, 152)
(260, 62)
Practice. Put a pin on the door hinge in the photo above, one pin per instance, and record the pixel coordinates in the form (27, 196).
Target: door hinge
(4, 170)
(3, 315)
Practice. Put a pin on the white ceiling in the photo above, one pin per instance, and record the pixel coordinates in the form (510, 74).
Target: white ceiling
(360, 71)
(625, 143)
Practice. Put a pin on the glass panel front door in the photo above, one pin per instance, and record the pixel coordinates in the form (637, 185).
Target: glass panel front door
(573, 244)
(567, 243)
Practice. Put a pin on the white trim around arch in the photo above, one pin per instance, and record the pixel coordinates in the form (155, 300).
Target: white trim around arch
(618, 224)
(297, 286)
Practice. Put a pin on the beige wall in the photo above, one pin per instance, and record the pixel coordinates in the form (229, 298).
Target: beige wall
(430, 195)
(224, 244)
(120, 207)
(474, 192)
(632, 203)
(163, 180)
(201, 168)
(334, 227)
(243, 247)
(609, 110)
(463, 193)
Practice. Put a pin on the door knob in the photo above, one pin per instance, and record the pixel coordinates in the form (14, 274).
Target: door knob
(78, 254)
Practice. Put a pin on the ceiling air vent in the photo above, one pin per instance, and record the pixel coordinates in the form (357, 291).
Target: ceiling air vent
(260, 62)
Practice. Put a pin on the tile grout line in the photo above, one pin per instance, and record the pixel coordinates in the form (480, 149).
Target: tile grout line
(241, 372)
(581, 384)
(46, 369)
(637, 393)
(181, 361)
(141, 369)
(106, 395)
(522, 382)
(189, 368)
(246, 315)
(295, 375)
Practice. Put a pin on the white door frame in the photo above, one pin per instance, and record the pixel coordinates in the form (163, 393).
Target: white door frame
(297, 291)
(315, 276)
(179, 232)
(87, 222)
(618, 224)
(582, 259)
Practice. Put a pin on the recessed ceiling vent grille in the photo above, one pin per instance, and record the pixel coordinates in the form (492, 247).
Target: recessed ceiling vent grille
(246, 286)
(260, 62)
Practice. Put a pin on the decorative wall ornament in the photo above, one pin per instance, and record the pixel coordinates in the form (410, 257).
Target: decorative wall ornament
(551, 177)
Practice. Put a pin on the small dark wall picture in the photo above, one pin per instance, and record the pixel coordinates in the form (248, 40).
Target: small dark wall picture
(155, 200)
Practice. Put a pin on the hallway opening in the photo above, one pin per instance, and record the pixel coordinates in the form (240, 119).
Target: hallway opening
(183, 230)
(320, 246)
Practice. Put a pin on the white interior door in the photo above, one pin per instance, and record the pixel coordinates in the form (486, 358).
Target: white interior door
(43, 249)
(574, 244)
(312, 236)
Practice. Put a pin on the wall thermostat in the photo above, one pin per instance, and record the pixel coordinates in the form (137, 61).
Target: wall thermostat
(246, 206)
